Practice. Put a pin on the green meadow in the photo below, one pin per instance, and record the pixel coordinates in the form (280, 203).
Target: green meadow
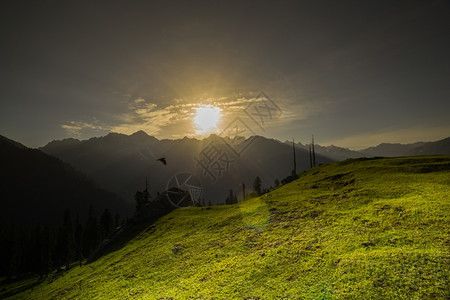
(358, 229)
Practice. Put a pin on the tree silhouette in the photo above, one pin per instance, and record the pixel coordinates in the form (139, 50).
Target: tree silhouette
(91, 234)
(106, 224)
(257, 185)
(78, 240)
(277, 183)
(46, 246)
(9, 250)
(231, 199)
(140, 200)
(65, 245)
(41, 251)
(142, 197)
(117, 222)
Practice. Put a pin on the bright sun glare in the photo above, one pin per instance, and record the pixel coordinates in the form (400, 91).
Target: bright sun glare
(206, 118)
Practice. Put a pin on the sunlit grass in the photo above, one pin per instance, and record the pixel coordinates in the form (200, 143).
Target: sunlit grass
(361, 229)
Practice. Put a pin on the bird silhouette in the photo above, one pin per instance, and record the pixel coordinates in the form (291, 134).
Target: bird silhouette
(163, 160)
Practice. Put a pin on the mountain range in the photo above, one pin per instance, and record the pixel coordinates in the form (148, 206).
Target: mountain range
(210, 167)
(441, 147)
(123, 163)
(38, 183)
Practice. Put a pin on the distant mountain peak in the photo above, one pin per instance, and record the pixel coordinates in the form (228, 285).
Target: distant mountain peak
(140, 133)
(186, 138)
(418, 148)
(143, 136)
(112, 134)
(68, 141)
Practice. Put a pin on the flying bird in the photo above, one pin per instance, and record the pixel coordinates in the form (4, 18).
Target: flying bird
(163, 160)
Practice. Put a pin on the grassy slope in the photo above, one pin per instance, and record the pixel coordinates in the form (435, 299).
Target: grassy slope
(358, 229)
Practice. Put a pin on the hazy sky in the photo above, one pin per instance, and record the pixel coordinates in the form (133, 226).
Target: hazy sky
(353, 73)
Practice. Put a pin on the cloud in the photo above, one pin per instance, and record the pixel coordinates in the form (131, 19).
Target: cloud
(154, 120)
(73, 130)
(176, 119)
(77, 128)
(148, 117)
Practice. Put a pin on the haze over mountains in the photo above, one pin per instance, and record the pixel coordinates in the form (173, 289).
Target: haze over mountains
(420, 148)
(37, 185)
(441, 147)
(121, 163)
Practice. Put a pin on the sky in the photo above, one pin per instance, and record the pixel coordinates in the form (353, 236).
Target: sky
(353, 73)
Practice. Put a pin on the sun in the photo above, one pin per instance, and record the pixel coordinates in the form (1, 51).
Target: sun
(206, 118)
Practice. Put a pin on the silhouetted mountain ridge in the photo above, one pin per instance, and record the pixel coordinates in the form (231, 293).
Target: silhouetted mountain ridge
(60, 145)
(440, 147)
(121, 163)
(390, 149)
(36, 187)
(435, 148)
(332, 152)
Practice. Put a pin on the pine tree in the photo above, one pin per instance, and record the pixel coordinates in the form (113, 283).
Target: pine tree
(142, 198)
(46, 251)
(91, 234)
(78, 240)
(117, 222)
(9, 247)
(106, 224)
(257, 185)
(26, 250)
(277, 183)
(231, 199)
(37, 246)
(139, 197)
(65, 248)
(5, 245)
(41, 250)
